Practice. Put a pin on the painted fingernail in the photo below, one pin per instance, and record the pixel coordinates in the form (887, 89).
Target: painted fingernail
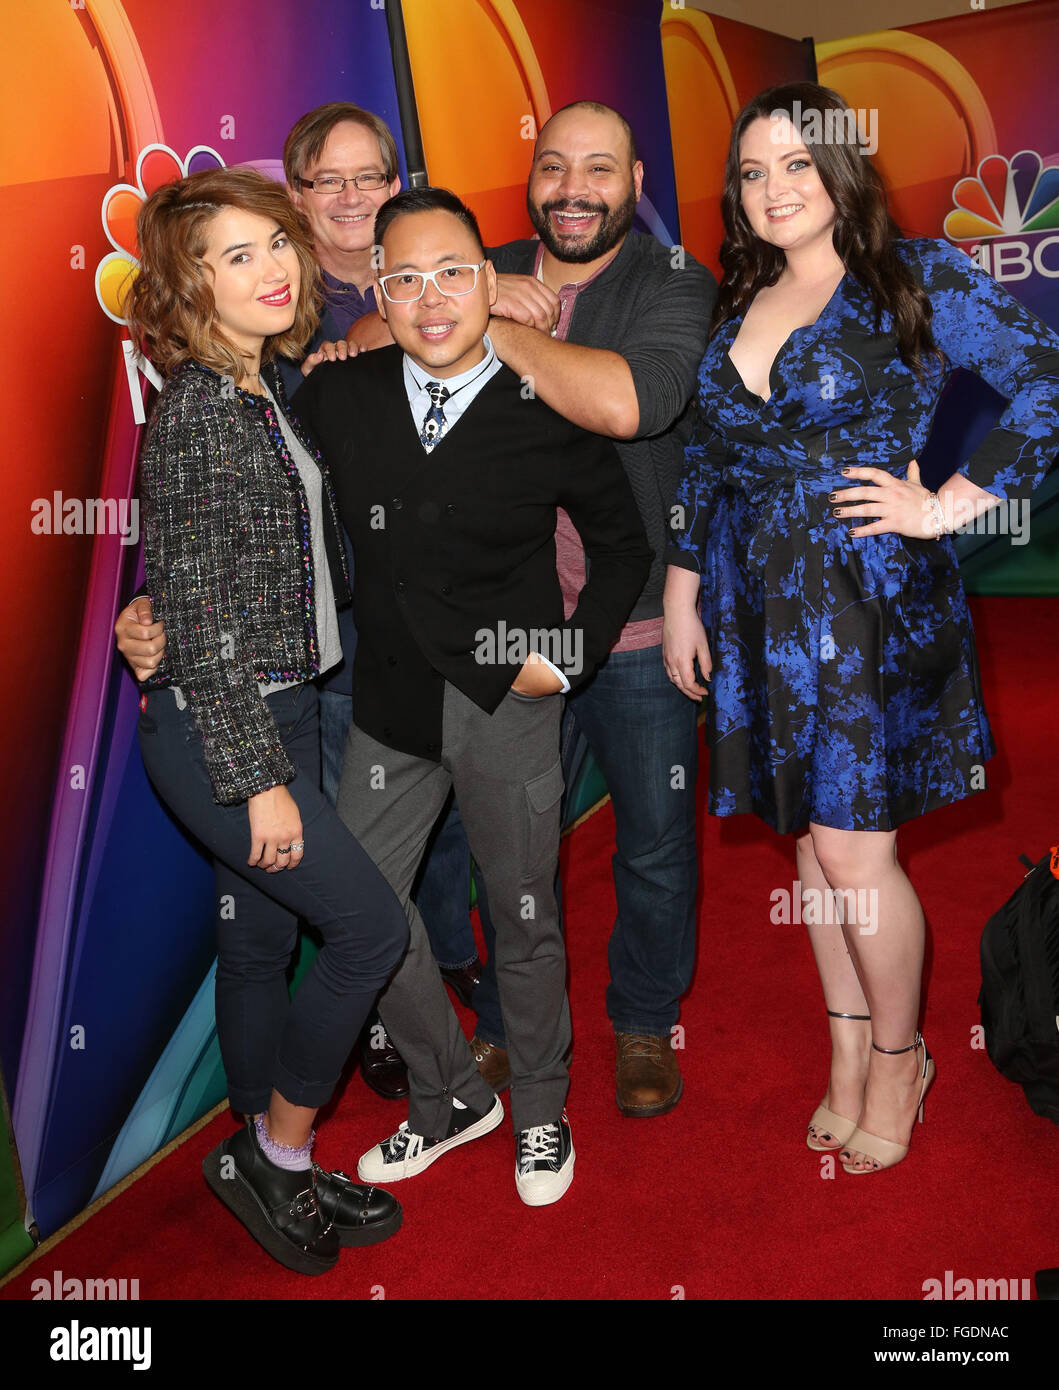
(831, 496)
(846, 472)
(836, 511)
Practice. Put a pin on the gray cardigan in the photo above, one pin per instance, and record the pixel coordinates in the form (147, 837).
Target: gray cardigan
(655, 314)
(229, 570)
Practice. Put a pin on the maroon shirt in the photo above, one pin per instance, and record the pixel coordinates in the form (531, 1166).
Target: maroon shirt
(569, 552)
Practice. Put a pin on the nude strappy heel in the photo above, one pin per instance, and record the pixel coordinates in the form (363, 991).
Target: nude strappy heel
(830, 1125)
(884, 1151)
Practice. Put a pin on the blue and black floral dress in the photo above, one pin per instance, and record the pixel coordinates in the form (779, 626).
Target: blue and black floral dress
(845, 687)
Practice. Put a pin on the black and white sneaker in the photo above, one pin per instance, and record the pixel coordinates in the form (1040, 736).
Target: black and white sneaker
(544, 1162)
(405, 1154)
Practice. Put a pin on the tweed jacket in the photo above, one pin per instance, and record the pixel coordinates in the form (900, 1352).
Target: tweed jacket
(229, 567)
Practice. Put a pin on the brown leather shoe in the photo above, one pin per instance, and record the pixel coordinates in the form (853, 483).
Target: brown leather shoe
(492, 1063)
(649, 1081)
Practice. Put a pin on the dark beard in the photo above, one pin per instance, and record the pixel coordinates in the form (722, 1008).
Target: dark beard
(613, 225)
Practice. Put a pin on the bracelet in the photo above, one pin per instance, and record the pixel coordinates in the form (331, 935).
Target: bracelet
(937, 516)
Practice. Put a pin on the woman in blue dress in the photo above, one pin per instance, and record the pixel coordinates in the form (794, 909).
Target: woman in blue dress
(845, 696)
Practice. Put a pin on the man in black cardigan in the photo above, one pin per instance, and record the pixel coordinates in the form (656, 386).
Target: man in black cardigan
(610, 327)
(463, 648)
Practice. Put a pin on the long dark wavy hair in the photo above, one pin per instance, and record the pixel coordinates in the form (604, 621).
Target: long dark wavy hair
(170, 307)
(864, 232)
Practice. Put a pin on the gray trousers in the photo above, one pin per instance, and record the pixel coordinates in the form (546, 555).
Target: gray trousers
(508, 779)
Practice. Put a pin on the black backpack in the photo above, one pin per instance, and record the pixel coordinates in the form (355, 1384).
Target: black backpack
(1019, 997)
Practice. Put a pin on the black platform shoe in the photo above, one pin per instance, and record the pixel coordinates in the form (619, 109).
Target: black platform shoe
(278, 1208)
(360, 1215)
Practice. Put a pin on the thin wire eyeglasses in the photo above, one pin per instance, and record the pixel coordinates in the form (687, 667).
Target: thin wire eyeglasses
(332, 183)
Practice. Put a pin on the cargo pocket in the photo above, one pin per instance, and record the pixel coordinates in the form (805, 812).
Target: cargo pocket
(543, 794)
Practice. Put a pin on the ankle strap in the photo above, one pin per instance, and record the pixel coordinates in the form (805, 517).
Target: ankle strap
(864, 1018)
(895, 1051)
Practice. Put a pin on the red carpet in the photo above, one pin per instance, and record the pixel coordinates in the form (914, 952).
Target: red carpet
(719, 1199)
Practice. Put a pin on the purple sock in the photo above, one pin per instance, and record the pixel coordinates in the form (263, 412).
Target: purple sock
(294, 1159)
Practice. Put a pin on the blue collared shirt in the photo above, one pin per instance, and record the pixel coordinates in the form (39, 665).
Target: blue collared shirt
(462, 389)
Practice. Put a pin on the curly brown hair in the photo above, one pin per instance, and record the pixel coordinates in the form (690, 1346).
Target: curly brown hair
(864, 235)
(170, 307)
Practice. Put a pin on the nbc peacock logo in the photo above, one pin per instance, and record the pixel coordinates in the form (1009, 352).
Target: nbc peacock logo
(1001, 207)
(156, 165)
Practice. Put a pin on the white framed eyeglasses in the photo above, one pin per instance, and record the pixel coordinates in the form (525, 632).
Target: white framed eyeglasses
(451, 280)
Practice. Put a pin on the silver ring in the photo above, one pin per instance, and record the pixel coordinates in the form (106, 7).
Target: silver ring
(297, 844)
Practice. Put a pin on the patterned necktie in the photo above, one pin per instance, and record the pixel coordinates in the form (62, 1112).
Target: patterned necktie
(434, 422)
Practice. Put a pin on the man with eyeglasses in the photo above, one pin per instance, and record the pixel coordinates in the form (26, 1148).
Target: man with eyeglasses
(608, 327)
(447, 475)
(340, 164)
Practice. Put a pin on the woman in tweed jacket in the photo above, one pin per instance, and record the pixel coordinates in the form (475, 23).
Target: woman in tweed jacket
(244, 567)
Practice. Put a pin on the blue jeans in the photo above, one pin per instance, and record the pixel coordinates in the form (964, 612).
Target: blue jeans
(269, 1040)
(442, 890)
(643, 734)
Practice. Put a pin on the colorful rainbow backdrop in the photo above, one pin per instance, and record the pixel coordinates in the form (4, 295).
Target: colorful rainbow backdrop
(106, 936)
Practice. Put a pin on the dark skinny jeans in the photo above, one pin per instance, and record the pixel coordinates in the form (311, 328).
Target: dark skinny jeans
(298, 1046)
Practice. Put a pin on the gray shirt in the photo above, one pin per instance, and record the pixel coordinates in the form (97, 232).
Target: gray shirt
(652, 305)
(328, 641)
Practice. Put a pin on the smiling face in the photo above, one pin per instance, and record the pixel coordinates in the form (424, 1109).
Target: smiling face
(783, 197)
(583, 190)
(343, 224)
(256, 277)
(442, 334)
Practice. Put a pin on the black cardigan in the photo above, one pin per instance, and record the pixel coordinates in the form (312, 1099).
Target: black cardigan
(458, 545)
